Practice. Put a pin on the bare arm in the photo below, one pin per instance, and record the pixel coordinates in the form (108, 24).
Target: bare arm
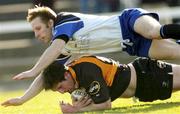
(51, 53)
(84, 106)
(35, 88)
(93, 107)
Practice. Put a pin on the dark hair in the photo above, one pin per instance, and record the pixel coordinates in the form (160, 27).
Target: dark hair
(53, 74)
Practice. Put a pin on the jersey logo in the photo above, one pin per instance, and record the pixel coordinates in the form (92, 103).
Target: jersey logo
(94, 88)
(161, 64)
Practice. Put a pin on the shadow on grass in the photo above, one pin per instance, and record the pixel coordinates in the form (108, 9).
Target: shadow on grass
(143, 108)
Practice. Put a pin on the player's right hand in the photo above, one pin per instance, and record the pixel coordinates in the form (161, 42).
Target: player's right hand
(82, 102)
(24, 75)
(12, 102)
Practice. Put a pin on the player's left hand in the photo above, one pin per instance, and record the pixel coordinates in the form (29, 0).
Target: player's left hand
(24, 75)
(12, 102)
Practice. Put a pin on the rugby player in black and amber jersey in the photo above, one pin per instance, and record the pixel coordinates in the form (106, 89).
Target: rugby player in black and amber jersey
(106, 80)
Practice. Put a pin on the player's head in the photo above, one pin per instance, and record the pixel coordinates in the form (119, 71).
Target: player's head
(57, 78)
(53, 74)
(44, 12)
(42, 22)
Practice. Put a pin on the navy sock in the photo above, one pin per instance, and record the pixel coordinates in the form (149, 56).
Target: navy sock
(170, 31)
(178, 41)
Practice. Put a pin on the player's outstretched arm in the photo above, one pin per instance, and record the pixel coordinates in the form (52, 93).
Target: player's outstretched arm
(50, 54)
(82, 106)
(12, 102)
(35, 88)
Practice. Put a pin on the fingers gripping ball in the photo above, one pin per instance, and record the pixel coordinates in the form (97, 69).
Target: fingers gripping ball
(78, 94)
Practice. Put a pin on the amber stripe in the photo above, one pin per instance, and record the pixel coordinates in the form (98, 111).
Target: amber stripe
(108, 70)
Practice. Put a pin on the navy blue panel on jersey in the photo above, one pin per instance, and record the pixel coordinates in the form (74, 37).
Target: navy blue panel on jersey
(140, 45)
(68, 18)
(62, 59)
(66, 24)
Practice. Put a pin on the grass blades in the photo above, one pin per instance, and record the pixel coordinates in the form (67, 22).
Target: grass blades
(48, 103)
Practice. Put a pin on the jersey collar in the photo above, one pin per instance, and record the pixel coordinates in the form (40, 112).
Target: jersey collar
(73, 74)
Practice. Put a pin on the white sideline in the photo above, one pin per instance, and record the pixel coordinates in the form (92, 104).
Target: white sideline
(167, 12)
(22, 25)
(14, 26)
(13, 44)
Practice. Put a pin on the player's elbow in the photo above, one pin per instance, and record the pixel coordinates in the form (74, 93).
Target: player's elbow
(105, 105)
(108, 104)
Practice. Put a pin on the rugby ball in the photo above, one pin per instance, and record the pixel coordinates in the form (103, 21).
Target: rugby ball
(78, 94)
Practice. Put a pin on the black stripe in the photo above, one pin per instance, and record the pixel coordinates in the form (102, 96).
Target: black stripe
(62, 18)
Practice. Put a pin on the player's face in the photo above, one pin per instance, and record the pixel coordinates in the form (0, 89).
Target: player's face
(66, 85)
(42, 31)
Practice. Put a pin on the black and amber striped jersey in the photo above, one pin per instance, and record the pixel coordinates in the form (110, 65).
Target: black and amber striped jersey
(103, 78)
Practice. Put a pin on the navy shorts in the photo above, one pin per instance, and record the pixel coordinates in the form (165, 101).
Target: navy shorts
(154, 79)
(140, 45)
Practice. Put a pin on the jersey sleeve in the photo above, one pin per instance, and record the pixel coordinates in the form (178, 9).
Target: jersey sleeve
(66, 26)
(95, 84)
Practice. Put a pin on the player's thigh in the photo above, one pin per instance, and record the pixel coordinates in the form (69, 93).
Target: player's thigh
(148, 27)
(164, 49)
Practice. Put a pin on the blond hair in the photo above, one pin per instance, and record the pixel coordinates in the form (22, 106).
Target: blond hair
(45, 13)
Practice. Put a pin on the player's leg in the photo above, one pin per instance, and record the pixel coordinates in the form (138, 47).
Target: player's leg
(150, 28)
(164, 49)
(154, 79)
(178, 41)
(176, 77)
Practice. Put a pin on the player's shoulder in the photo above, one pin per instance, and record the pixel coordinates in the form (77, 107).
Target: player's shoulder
(63, 17)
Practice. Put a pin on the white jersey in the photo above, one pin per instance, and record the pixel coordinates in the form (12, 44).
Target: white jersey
(90, 33)
(94, 34)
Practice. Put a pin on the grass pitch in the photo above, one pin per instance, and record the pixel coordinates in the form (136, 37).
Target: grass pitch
(48, 103)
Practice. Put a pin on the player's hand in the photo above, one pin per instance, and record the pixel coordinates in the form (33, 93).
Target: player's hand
(67, 108)
(24, 75)
(12, 102)
(83, 102)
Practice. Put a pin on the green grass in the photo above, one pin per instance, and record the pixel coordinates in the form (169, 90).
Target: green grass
(47, 103)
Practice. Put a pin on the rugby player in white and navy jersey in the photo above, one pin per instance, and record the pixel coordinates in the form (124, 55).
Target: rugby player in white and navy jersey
(135, 31)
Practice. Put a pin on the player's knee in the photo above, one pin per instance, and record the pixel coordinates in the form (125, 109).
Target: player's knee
(154, 33)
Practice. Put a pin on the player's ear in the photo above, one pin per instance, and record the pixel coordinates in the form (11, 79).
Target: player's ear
(66, 75)
(50, 23)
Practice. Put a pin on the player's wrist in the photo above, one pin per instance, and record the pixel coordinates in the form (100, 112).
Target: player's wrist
(34, 72)
(23, 99)
(76, 108)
